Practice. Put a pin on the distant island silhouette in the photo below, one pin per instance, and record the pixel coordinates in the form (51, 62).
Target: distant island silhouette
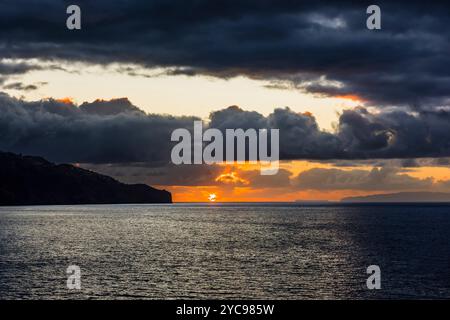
(402, 197)
(29, 180)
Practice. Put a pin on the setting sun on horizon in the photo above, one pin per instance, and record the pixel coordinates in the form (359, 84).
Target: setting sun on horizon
(212, 197)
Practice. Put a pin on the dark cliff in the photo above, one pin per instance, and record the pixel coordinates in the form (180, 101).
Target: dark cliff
(26, 180)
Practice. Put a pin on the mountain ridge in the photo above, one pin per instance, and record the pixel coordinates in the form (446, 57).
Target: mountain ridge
(402, 197)
(31, 180)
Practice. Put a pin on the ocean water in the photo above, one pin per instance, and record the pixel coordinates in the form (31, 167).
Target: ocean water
(257, 251)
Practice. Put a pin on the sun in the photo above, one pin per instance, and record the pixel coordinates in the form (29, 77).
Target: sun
(212, 197)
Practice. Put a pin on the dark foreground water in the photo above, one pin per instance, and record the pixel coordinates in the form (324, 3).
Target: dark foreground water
(240, 251)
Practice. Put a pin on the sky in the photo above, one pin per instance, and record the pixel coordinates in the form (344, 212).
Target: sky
(359, 111)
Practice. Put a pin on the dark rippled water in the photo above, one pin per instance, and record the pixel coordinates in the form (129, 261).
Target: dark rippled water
(240, 251)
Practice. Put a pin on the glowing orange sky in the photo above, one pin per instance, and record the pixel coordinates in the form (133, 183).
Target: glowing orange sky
(351, 97)
(201, 194)
(66, 100)
(237, 189)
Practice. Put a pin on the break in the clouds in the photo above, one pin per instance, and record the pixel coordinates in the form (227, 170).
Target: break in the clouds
(116, 131)
(321, 47)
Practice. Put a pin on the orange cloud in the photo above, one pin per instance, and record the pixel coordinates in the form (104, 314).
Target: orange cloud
(231, 178)
(66, 100)
(351, 97)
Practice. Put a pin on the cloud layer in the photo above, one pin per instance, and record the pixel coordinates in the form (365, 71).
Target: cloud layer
(322, 47)
(116, 131)
(100, 132)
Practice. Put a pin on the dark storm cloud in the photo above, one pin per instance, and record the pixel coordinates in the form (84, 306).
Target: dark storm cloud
(399, 163)
(109, 107)
(12, 68)
(63, 132)
(20, 86)
(23, 87)
(318, 46)
(359, 133)
(15, 68)
(394, 134)
(116, 131)
(300, 135)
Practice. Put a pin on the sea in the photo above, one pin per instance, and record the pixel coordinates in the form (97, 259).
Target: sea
(225, 251)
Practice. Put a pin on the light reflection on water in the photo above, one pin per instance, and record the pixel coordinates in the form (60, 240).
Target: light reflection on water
(245, 251)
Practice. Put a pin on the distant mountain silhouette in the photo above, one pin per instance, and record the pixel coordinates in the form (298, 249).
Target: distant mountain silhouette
(300, 201)
(402, 197)
(26, 180)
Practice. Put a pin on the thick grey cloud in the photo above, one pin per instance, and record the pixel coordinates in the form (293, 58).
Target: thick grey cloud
(15, 68)
(110, 107)
(395, 134)
(400, 163)
(300, 135)
(63, 132)
(313, 45)
(116, 131)
(359, 133)
(10, 68)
